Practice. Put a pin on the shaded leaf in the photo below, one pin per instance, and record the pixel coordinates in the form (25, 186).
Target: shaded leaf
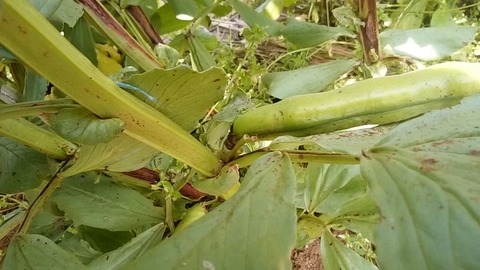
(31, 251)
(79, 247)
(21, 168)
(165, 20)
(303, 34)
(59, 12)
(137, 246)
(183, 95)
(105, 204)
(104, 240)
(82, 126)
(236, 234)
(424, 178)
(306, 80)
(336, 255)
(81, 37)
(251, 17)
(201, 58)
(35, 86)
(427, 44)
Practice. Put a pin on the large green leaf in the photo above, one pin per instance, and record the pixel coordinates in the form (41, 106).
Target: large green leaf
(182, 94)
(78, 247)
(303, 34)
(306, 80)
(59, 12)
(136, 247)
(427, 44)
(122, 154)
(255, 229)
(424, 177)
(105, 204)
(336, 255)
(31, 251)
(251, 17)
(21, 168)
(410, 15)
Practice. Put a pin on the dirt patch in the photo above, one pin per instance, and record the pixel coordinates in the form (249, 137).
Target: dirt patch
(307, 258)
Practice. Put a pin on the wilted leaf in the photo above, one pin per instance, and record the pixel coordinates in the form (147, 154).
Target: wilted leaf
(427, 44)
(424, 178)
(105, 204)
(183, 95)
(82, 126)
(306, 80)
(336, 255)
(237, 234)
(21, 168)
(136, 247)
(32, 251)
(303, 34)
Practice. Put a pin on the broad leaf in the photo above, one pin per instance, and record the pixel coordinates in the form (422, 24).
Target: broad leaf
(427, 44)
(306, 80)
(105, 204)
(82, 126)
(165, 20)
(251, 17)
(220, 184)
(136, 247)
(59, 12)
(78, 247)
(104, 240)
(81, 37)
(35, 86)
(424, 178)
(21, 168)
(336, 255)
(410, 15)
(182, 94)
(31, 251)
(303, 34)
(237, 234)
(121, 154)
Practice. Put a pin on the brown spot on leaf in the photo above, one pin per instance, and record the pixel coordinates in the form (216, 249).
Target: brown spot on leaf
(475, 153)
(444, 142)
(428, 165)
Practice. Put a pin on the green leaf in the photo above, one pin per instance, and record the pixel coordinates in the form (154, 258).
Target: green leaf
(427, 44)
(49, 225)
(323, 179)
(336, 255)
(104, 240)
(59, 12)
(21, 168)
(78, 247)
(237, 234)
(251, 17)
(128, 252)
(105, 204)
(306, 80)
(31, 251)
(165, 20)
(424, 178)
(303, 34)
(201, 58)
(82, 126)
(35, 86)
(410, 15)
(183, 95)
(82, 38)
(122, 154)
(220, 184)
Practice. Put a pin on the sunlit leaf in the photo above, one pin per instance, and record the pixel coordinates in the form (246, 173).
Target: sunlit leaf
(220, 184)
(105, 204)
(306, 80)
(427, 44)
(21, 168)
(303, 34)
(251, 17)
(336, 255)
(136, 247)
(410, 15)
(183, 95)
(424, 178)
(31, 251)
(165, 20)
(236, 234)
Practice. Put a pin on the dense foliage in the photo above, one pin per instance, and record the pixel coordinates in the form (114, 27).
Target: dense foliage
(222, 134)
